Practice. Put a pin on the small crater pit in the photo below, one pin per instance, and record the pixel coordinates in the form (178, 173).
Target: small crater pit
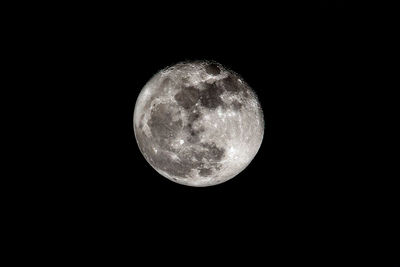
(212, 69)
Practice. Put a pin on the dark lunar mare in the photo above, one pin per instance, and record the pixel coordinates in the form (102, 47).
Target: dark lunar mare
(210, 97)
(231, 84)
(209, 94)
(187, 97)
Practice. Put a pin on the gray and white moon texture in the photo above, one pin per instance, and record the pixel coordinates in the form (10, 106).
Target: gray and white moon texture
(198, 123)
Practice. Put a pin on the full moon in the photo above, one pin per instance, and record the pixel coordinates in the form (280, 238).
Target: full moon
(198, 123)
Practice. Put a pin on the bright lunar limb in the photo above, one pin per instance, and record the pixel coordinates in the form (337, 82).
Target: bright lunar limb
(198, 123)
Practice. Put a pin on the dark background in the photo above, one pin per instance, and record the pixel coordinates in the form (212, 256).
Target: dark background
(304, 184)
(332, 3)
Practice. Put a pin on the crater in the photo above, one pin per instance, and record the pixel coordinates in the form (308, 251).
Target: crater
(167, 82)
(212, 69)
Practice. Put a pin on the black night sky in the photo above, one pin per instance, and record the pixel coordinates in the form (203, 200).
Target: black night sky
(299, 188)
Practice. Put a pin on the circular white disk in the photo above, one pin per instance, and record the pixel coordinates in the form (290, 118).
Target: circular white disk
(198, 123)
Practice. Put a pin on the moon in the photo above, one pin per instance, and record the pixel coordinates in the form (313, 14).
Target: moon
(198, 123)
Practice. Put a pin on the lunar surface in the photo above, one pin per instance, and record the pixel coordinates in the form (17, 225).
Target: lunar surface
(198, 123)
